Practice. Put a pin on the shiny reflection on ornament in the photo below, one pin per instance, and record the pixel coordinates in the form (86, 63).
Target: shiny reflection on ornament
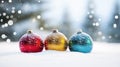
(80, 42)
(56, 41)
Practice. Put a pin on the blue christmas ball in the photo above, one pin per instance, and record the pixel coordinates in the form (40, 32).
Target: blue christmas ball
(80, 42)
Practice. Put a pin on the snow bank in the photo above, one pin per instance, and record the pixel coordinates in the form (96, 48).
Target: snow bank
(102, 55)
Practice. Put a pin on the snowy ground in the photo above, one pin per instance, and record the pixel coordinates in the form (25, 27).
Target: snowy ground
(102, 55)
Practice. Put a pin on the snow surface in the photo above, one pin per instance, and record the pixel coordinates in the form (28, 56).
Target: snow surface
(102, 55)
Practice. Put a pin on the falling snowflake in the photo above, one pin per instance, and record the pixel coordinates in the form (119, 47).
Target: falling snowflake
(99, 19)
(41, 28)
(19, 12)
(39, 1)
(2, 1)
(116, 17)
(3, 36)
(103, 37)
(38, 17)
(13, 8)
(4, 14)
(90, 16)
(8, 40)
(11, 16)
(10, 1)
(33, 20)
(94, 24)
(99, 33)
(10, 22)
(5, 25)
(109, 37)
(7, 17)
(114, 25)
(1, 20)
(13, 11)
(14, 33)
(97, 24)
(2, 26)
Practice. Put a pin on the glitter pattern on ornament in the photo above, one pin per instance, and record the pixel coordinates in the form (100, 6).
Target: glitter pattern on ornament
(56, 41)
(30, 42)
(80, 42)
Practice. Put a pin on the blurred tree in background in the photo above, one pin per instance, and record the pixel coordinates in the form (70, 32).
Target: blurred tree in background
(15, 13)
(91, 24)
(65, 26)
(113, 30)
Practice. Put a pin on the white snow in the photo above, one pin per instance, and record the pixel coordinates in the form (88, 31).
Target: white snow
(102, 55)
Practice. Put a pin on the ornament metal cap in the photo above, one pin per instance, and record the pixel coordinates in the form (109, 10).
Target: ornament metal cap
(55, 30)
(29, 31)
(80, 31)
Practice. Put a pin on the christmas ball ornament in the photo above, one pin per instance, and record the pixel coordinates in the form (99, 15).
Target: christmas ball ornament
(56, 41)
(80, 42)
(30, 42)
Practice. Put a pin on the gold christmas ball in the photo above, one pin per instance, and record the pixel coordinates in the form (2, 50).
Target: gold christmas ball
(56, 41)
